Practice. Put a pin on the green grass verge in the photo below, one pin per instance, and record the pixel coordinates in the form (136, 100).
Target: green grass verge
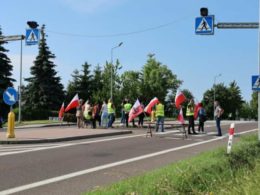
(208, 173)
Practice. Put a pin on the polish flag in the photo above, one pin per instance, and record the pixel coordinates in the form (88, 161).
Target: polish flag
(73, 103)
(135, 110)
(151, 104)
(180, 117)
(61, 112)
(179, 99)
(196, 110)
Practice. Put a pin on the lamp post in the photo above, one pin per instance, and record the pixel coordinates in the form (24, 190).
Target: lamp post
(112, 49)
(214, 87)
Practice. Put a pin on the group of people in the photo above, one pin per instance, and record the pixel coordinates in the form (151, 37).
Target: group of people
(90, 114)
(190, 113)
(125, 111)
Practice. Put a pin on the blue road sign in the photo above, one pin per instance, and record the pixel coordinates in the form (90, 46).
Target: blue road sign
(32, 36)
(256, 83)
(204, 25)
(10, 96)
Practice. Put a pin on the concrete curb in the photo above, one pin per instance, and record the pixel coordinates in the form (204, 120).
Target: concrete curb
(63, 139)
(43, 126)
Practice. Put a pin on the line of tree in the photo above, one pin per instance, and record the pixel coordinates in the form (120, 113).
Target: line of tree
(44, 92)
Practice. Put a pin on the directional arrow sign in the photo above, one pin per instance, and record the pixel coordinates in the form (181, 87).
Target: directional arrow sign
(10, 96)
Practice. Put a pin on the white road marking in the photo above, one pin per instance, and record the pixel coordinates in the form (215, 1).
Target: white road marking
(106, 166)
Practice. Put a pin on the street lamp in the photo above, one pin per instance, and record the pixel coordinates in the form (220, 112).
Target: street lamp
(112, 49)
(214, 87)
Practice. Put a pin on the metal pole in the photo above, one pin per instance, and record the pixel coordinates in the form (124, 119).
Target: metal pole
(20, 88)
(214, 99)
(258, 93)
(111, 90)
(112, 68)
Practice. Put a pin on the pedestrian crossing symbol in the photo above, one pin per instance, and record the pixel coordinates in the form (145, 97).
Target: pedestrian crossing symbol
(255, 83)
(204, 25)
(32, 36)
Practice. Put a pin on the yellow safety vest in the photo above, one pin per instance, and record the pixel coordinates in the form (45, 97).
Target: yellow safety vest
(127, 107)
(159, 110)
(190, 111)
(110, 109)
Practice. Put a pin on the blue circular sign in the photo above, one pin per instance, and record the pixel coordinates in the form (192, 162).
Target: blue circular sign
(10, 96)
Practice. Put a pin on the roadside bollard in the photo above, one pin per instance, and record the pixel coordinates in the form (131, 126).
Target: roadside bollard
(10, 125)
(230, 139)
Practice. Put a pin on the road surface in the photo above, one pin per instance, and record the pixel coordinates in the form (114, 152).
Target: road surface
(80, 166)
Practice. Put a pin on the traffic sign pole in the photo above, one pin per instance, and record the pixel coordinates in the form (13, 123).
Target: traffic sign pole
(20, 87)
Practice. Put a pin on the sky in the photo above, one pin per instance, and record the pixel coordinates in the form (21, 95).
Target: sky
(85, 31)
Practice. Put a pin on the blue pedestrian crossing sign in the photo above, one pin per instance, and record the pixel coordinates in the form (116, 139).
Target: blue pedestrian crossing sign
(32, 36)
(256, 82)
(10, 96)
(204, 25)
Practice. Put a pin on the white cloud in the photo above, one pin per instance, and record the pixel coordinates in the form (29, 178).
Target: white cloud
(90, 6)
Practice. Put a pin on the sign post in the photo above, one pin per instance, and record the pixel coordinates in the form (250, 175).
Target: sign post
(10, 97)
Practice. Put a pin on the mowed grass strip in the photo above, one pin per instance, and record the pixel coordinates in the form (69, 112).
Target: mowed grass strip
(212, 172)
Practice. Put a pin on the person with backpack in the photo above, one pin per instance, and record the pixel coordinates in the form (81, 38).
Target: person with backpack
(202, 117)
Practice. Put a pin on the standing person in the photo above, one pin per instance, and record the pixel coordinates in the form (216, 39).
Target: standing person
(190, 115)
(111, 113)
(79, 114)
(217, 114)
(127, 108)
(95, 115)
(123, 120)
(141, 117)
(159, 113)
(88, 113)
(104, 115)
(202, 117)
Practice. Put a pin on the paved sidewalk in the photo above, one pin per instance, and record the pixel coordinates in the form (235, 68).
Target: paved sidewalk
(56, 134)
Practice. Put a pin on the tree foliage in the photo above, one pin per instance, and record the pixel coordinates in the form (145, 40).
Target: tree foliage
(6, 79)
(229, 98)
(44, 90)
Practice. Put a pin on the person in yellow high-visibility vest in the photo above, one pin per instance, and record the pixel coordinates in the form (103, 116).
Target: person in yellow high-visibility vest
(111, 113)
(190, 115)
(159, 113)
(127, 108)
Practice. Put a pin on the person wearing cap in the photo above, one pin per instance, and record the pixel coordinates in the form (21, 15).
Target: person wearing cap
(159, 113)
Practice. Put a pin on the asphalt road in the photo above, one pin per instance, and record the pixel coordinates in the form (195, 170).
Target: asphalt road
(80, 166)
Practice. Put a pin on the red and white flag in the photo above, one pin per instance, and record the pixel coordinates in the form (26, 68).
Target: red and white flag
(135, 110)
(179, 99)
(151, 104)
(73, 103)
(180, 117)
(196, 110)
(61, 112)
